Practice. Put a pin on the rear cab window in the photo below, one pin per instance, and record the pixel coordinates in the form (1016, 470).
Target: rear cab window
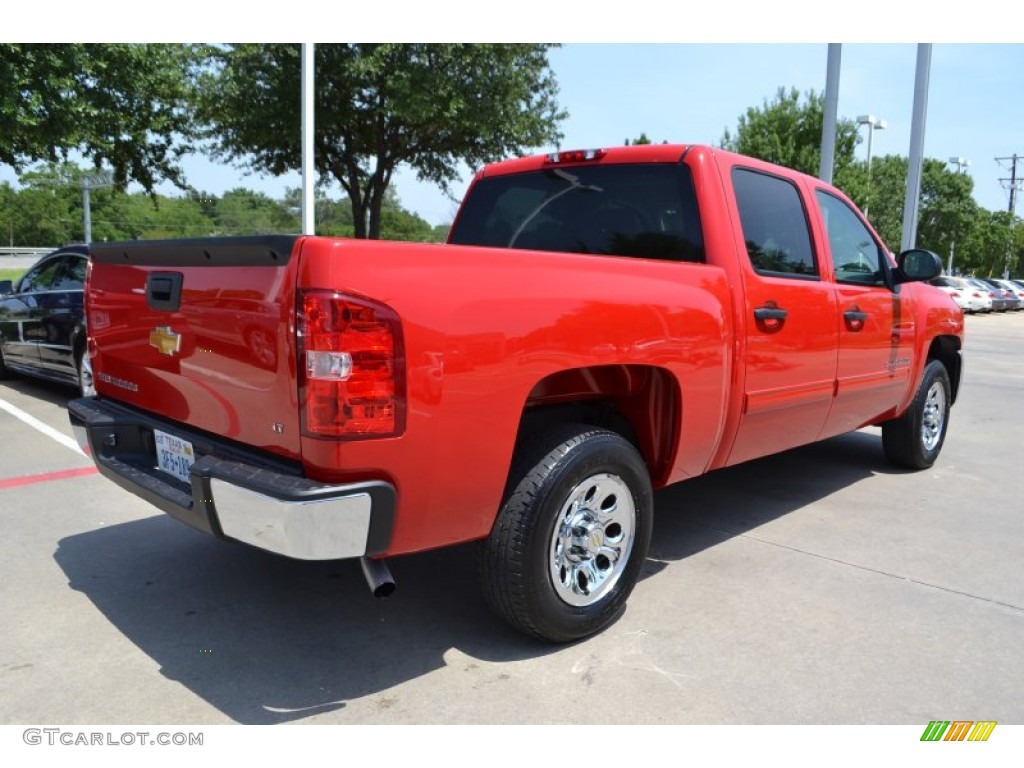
(641, 210)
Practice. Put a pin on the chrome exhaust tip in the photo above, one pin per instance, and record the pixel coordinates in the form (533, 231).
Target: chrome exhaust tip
(378, 577)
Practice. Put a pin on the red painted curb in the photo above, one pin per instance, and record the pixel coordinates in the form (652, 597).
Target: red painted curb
(63, 474)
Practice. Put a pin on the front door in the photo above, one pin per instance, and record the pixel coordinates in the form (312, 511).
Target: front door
(21, 316)
(875, 325)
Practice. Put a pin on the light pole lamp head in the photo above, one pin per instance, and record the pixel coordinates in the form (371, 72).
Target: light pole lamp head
(960, 163)
(876, 123)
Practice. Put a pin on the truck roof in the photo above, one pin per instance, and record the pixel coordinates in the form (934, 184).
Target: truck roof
(637, 153)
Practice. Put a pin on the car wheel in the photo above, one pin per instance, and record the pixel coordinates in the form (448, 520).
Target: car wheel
(4, 373)
(261, 342)
(915, 439)
(571, 536)
(86, 385)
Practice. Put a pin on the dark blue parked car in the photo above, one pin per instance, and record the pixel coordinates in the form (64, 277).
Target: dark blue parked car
(42, 320)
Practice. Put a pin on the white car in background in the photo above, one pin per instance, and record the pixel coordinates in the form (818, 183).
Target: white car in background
(998, 302)
(969, 297)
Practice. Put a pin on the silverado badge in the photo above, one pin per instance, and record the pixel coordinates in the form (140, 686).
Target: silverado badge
(166, 341)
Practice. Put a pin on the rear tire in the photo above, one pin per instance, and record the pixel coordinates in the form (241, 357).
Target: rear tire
(915, 439)
(571, 536)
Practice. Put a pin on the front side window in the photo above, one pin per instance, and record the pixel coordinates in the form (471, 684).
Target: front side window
(856, 255)
(41, 276)
(774, 224)
(640, 210)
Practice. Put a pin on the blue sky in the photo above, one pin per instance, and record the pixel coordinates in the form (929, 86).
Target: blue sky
(692, 92)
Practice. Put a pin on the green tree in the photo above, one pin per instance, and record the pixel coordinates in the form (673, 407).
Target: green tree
(48, 207)
(244, 212)
(125, 105)
(995, 245)
(887, 193)
(399, 224)
(334, 217)
(947, 213)
(8, 213)
(787, 131)
(378, 106)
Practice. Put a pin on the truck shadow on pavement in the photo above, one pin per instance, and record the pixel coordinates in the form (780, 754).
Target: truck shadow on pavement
(700, 513)
(267, 640)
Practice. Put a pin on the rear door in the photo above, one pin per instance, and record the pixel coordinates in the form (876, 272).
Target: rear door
(790, 359)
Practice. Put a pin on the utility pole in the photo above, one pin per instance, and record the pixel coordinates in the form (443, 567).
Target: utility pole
(1014, 183)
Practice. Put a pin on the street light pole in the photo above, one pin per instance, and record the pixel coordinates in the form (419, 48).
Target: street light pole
(874, 124)
(961, 167)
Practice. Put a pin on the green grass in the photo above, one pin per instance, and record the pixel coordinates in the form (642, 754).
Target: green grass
(11, 274)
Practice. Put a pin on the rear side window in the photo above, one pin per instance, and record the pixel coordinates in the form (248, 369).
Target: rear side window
(71, 276)
(645, 211)
(774, 224)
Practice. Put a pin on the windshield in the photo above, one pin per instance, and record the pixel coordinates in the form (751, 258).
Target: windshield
(645, 210)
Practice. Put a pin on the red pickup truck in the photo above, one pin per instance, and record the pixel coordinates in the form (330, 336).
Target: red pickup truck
(601, 323)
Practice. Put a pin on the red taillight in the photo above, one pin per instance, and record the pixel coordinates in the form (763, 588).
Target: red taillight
(575, 156)
(351, 366)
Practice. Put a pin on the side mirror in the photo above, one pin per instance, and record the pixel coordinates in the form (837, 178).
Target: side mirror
(6, 286)
(917, 265)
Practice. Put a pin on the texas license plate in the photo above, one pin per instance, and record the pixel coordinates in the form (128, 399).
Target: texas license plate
(174, 455)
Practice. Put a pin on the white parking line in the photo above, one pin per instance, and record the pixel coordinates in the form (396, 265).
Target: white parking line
(46, 429)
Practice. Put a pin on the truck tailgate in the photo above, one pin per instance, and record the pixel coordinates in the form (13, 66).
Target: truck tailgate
(179, 330)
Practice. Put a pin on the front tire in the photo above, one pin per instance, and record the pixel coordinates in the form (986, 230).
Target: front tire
(571, 536)
(915, 439)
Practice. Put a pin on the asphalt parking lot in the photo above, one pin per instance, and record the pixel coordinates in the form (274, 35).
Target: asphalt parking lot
(817, 586)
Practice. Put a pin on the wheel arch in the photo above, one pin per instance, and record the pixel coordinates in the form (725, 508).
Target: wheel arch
(946, 349)
(643, 403)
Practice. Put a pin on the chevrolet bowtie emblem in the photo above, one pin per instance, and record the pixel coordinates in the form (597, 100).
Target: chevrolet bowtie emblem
(166, 341)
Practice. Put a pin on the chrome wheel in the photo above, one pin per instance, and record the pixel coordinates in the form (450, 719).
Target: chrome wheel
(592, 539)
(933, 416)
